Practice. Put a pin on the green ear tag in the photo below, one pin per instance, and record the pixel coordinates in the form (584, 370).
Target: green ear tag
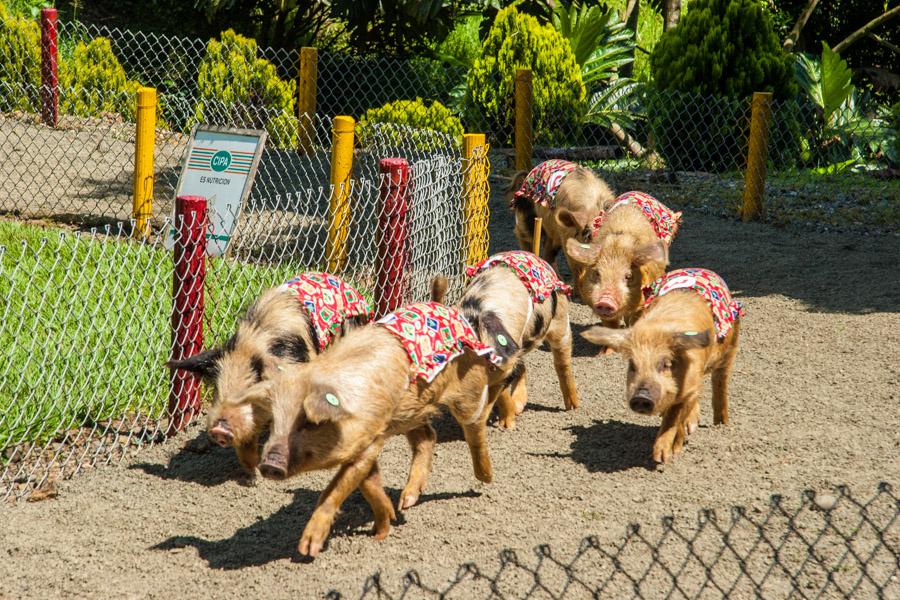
(332, 399)
(585, 246)
(690, 333)
(502, 339)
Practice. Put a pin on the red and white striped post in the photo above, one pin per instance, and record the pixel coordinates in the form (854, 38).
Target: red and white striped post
(392, 232)
(187, 306)
(49, 80)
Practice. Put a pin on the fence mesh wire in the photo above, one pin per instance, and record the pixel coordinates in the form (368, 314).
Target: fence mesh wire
(830, 546)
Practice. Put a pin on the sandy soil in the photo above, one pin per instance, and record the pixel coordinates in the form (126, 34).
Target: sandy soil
(814, 404)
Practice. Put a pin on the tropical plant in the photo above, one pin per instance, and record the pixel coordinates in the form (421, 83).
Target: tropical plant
(519, 41)
(94, 82)
(410, 122)
(848, 130)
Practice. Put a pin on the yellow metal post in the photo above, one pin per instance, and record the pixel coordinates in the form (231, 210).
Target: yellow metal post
(306, 101)
(341, 169)
(476, 192)
(145, 136)
(523, 104)
(755, 177)
(536, 244)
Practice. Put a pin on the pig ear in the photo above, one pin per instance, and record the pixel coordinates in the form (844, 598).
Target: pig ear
(568, 219)
(503, 343)
(652, 252)
(325, 405)
(204, 364)
(439, 287)
(688, 340)
(584, 254)
(606, 336)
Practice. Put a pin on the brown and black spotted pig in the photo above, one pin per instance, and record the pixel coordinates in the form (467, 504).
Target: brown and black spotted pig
(690, 328)
(515, 301)
(567, 197)
(288, 324)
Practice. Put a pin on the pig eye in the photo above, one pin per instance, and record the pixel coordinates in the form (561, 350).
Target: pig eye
(664, 365)
(631, 367)
(628, 276)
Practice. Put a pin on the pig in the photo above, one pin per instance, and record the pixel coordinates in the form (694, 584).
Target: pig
(690, 328)
(288, 324)
(517, 294)
(568, 199)
(629, 249)
(384, 379)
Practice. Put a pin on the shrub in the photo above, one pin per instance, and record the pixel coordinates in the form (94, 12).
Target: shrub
(239, 89)
(93, 82)
(406, 119)
(20, 63)
(724, 48)
(517, 41)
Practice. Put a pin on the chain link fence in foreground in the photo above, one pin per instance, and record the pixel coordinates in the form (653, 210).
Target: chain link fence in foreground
(830, 546)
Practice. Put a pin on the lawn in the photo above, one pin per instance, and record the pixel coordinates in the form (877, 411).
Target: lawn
(85, 326)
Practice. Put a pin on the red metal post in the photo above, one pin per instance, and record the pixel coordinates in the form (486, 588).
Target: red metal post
(392, 256)
(49, 80)
(187, 306)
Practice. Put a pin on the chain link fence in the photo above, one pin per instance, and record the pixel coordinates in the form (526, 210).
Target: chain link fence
(830, 546)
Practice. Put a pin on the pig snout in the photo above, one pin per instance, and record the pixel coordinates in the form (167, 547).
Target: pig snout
(642, 402)
(221, 433)
(606, 305)
(274, 465)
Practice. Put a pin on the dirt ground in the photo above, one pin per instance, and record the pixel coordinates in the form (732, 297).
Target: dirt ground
(814, 405)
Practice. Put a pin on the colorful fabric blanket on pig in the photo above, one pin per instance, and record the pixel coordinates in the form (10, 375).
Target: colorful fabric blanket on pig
(664, 220)
(433, 335)
(706, 283)
(535, 273)
(329, 301)
(542, 183)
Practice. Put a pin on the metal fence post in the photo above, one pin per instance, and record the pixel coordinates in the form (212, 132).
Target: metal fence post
(476, 190)
(391, 260)
(188, 280)
(306, 100)
(523, 105)
(339, 204)
(757, 154)
(145, 137)
(49, 80)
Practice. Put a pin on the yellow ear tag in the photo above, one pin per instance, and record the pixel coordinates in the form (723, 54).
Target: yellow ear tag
(502, 339)
(332, 399)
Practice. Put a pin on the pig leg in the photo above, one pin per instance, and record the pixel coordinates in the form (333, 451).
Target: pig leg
(421, 441)
(506, 406)
(670, 438)
(373, 491)
(560, 338)
(692, 421)
(519, 391)
(348, 478)
(474, 426)
(248, 455)
(720, 377)
(549, 251)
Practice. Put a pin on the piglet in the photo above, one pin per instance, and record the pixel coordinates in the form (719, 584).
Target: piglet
(388, 378)
(566, 196)
(287, 325)
(690, 328)
(515, 301)
(630, 249)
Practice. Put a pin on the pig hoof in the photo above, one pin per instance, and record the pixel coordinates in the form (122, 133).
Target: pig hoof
(381, 531)
(408, 501)
(507, 423)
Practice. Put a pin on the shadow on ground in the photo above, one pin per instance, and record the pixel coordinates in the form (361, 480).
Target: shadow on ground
(200, 462)
(611, 446)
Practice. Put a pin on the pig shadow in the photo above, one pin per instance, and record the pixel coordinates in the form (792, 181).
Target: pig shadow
(580, 346)
(200, 462)
(611, 446)
(276, 536)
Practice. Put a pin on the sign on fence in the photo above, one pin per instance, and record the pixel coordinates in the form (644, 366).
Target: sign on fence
(220, 165)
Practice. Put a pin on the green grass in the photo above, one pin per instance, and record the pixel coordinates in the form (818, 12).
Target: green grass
(85, 326)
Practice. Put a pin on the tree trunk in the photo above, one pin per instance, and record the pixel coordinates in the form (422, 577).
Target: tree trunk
(853, 37)
(634, 147)
(671, 14)
(632, 10)
(794, 35)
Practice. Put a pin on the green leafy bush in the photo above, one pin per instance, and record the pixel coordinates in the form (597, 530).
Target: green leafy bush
(93, 82)
(403, 122)
(518, 41)
(722, 48)
(239, 89)
(20, 63)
